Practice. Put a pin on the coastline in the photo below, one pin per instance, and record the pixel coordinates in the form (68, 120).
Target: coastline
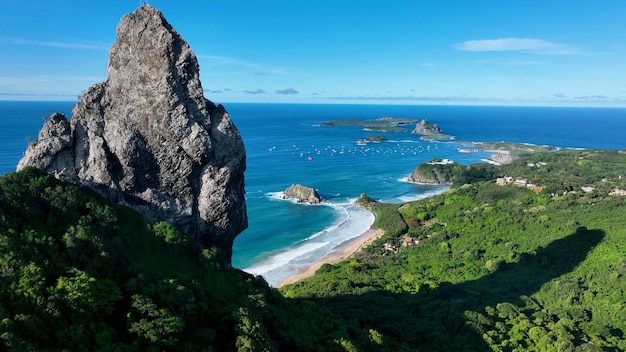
(346, 249)
(343, 251)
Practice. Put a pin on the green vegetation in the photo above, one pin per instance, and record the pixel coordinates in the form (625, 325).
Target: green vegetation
(79, 273)
(385, 129)
(435, 171)
(436, 137)
(376, 138)
(497, 267)
(385, 124)
(502, 268)
(513, 148)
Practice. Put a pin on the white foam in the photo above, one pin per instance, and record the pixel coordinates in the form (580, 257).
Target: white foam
(284, 258)
(426, 194)
(492, 162)
(352, 222)
(280, 196)
(402, 141)
(275, 195)
(344, 217)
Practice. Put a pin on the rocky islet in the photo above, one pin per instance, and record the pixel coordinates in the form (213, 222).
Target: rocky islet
(302, 194)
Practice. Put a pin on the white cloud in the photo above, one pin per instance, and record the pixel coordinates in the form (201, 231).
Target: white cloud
(288, 91)
(46, 79)
(222, 60)
(431, 98)
(538, 46)
(45, 85)
(67, 45)
(255, 91)
(592, 98)
(511, 61)
(35, 95)
(555, 99)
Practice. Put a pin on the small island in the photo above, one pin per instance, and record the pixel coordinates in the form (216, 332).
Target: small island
(302, 194)
(428, 131)
(425, 128)
(383, 124)
(437, 137)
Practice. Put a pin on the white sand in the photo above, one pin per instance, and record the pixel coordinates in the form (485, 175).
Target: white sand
(342, 252)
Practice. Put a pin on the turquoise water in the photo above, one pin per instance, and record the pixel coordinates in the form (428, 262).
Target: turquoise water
(286, 145)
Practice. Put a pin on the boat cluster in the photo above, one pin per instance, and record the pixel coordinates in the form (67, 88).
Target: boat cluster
(400, 148)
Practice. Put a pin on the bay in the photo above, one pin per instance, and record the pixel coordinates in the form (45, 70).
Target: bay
(285, 145)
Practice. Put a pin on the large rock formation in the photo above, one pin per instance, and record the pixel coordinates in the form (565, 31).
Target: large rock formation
(302, 194)
(424, 128)
(433, 173)
(502, 158)
(148, 138)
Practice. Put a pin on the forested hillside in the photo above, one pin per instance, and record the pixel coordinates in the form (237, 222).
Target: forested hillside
(78, 273)
(534, 264)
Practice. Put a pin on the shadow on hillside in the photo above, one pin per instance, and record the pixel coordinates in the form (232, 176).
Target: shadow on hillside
(435, 319)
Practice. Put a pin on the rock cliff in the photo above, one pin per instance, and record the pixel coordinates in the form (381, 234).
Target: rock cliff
(302, 194)
(502, 158)
(433, 174)
(425, 128)
(148, 138)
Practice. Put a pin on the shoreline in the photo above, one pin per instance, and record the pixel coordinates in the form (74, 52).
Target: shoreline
(343, 251)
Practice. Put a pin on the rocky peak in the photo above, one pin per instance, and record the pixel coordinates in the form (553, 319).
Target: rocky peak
(424, 128)
(148, 138)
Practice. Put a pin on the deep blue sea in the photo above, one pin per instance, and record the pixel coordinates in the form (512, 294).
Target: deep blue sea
(285, 145)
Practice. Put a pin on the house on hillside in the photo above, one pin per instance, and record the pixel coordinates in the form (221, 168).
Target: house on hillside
(520, 182)
(390, 247)
(504, 180)
(409, 241)
(441, 162)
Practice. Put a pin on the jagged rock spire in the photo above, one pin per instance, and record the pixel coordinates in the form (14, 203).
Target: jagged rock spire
(148, 137)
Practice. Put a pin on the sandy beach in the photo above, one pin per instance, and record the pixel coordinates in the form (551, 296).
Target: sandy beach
(342, 252)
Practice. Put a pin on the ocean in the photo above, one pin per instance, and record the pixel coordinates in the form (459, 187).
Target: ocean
(286, 145)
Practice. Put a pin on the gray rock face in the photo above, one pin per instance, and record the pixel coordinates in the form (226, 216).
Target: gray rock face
(502, 158)
(434, 179)
(425, 128)
(148, 138)
(302, 194)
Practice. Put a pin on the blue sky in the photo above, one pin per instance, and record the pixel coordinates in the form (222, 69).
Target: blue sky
(530, 52)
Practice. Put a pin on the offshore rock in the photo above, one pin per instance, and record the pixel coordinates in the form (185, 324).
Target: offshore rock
(425, 128)
(302, 194)
(148, 138)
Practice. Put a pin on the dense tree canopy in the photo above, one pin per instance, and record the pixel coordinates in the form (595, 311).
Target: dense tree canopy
(82, 274)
